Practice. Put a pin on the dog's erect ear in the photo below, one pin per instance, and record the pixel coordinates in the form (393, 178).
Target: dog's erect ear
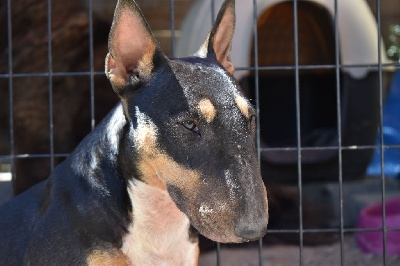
(219, 40)
(132, 47)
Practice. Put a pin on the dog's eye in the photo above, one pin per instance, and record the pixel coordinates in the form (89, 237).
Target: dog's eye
(190, 125)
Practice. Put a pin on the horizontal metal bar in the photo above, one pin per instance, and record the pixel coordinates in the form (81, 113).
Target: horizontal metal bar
(292, 67)
(319, 148)
(352, 147)
(355, 230)
(24, 156)
(54, 74)
(277, 67)
(330, 230)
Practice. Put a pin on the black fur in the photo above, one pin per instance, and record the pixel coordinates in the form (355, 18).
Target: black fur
(60, 220)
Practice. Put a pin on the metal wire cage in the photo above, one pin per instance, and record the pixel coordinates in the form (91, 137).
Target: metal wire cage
(80, 104)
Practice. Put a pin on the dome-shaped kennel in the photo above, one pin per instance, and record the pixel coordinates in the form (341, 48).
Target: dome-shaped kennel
(359, 81)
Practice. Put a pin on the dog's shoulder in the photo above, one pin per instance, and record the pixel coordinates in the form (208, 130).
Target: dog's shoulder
(18, 217)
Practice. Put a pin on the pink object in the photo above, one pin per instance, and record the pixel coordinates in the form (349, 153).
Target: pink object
(371, 217)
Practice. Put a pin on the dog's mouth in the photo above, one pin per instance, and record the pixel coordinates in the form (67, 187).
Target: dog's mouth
(217, 238)
(223, 223)
(232, 234)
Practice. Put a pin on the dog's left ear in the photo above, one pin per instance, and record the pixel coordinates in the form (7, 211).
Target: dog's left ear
(133, 50)
(219, 41)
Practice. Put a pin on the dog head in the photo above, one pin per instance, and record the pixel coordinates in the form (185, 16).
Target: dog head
(190, 130)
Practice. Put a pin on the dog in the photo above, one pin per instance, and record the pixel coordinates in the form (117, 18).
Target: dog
(175, 157)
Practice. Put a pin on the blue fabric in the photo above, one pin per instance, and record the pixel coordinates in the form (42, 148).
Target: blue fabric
(391, 134)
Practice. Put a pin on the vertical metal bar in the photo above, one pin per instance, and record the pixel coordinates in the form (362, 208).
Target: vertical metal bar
(50, 83)
(257, 102)
(212, 11)
(92, 110)
(298, 126)
(10, 88)
(172, 28)
(339, 129)
(378, 17)
(256, 79)
(218, 254)
(212, 3)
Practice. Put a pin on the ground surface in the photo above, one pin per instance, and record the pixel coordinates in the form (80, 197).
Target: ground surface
(284, 255)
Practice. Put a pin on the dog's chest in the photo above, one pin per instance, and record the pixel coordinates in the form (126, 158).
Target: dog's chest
(159, 233)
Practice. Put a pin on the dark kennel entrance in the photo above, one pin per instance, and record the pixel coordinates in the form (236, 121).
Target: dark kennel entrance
(277, 87)
(317, 81)
(317, 87)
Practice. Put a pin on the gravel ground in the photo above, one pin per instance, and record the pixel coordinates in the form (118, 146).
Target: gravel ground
(283, 255)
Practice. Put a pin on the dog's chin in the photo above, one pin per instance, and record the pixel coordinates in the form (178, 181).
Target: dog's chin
(218, 229)
(227, 234)
(222, 237)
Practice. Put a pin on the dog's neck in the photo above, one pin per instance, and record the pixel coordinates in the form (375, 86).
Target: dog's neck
(159, 232)
(100, 150)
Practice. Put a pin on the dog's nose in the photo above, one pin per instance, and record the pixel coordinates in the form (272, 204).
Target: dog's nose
(251, 230)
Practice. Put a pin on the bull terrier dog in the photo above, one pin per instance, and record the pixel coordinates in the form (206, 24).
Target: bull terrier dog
(174, 158)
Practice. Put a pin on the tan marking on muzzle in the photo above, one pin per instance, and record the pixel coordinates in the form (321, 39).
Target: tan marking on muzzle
(243, 105)
(157, 168)
(207, 110)
(149, 174)
(145, 138)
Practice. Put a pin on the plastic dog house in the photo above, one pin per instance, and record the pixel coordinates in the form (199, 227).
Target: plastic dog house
(358, 81)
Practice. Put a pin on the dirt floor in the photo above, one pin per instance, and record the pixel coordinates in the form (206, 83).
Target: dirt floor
(283, 255)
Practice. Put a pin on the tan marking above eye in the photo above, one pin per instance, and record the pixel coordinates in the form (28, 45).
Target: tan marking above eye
(243, 105)
(207, 110)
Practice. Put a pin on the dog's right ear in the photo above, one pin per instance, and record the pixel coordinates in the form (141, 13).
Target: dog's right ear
(219, 41)
(132, 47)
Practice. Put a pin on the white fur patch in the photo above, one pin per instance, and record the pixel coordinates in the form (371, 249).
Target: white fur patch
(159, 233)
(115, 124)
(145, 134)
(203, 50)
(205, 210)
(231, 184)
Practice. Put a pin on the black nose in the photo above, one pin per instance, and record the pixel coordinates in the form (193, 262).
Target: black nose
(253, 229)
